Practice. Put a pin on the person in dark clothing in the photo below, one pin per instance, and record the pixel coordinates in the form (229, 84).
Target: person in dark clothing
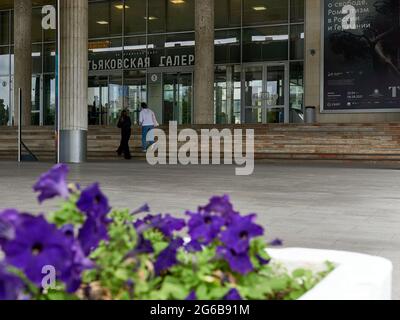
(125, 124)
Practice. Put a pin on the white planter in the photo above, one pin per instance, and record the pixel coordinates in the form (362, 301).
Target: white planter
(356, 276)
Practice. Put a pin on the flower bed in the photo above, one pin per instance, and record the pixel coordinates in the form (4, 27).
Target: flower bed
(87, 250)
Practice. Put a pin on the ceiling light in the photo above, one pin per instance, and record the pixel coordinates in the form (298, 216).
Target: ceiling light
(260, 8)
(177, 1)
(151, 18)
(121, 6)
(102, 22)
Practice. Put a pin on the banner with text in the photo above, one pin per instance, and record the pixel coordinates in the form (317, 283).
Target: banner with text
(361, 55)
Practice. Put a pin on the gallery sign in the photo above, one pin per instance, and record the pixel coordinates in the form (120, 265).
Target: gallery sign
(119, 62)
(361, 55)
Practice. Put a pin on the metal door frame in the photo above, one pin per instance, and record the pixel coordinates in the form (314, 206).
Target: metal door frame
(265, 107)
(177, 72)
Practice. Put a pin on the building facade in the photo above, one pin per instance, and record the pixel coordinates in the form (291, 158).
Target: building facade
(272, 58)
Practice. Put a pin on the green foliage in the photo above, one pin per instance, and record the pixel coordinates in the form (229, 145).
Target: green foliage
(68, 213)
(113, 270)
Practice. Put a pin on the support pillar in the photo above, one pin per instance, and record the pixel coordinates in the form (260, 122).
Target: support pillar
(204, 65)
(73, 80)
(23, 59)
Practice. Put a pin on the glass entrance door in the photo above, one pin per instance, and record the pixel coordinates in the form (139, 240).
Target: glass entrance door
(177, 97)
(266, 92)
(98, 100)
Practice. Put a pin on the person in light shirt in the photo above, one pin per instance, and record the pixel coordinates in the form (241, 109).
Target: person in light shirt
(148, 122)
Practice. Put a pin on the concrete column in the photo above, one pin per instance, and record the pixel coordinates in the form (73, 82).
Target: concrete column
(23, 59)
(73, 80)
(312, 63)
(204, 66)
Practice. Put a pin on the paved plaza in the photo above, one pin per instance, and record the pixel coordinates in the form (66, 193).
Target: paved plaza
(315, 205)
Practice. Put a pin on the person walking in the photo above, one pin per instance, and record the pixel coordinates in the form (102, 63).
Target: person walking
(148, 121)
(125, 124)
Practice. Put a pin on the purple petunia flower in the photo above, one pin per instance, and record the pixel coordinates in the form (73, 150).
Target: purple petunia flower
(38, 244)
(192, 296)
(238, 262)
(143, 246)
(53, 183)
(10, 285)
(193, 246)
(73, 277)
(167, 258)
(220, 205)
(204, 227)
(143, 209)
(92, 233)
(238, 234)
(93, 202)
(233, 295)
(165, 224)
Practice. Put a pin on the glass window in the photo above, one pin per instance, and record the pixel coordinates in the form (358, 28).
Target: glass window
(36, 58)
(260, 12)
(37, 25)
(4, 27)
(265, 44)
(135, 50)
(227, 94)
(227, 46)
(135, 17)
(116, 94)
(49, 99)
(4, 61)
(297, 42)
(171, 50)
(170, 15)
(136, 89)
(296, 10)
(35, 111)
(296, 91)
(228, 13)
(105, 19)
(4, 100)
(49, 57)
(104, 54)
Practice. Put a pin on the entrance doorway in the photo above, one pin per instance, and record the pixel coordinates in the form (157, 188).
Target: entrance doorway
(266, 93)
(177, 97)
(170, 94)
